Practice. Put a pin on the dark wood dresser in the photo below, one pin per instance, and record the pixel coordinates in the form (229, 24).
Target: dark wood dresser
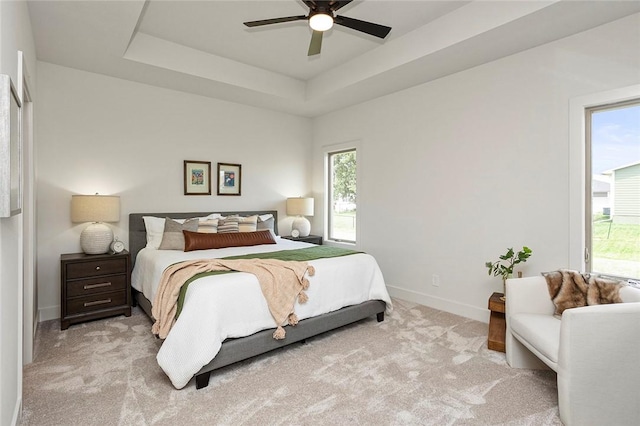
(94, 286)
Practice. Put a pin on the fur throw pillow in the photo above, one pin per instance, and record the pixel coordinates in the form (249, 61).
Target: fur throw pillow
(602, 291)
(568, 289)
(571, 289)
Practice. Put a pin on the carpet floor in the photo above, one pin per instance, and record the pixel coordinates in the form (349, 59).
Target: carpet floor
(420, 366)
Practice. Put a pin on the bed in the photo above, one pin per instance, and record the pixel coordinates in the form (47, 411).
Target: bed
(183, 355)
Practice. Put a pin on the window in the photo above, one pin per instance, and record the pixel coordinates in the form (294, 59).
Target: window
(341, 195)
(613, 189)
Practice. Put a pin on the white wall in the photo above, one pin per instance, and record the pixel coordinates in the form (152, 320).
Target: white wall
(15, 35)
(457, 170)
(106, 135)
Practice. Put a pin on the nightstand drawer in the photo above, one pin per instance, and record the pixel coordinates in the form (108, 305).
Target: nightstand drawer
(96, 267)
(96, 285)
(96, 302)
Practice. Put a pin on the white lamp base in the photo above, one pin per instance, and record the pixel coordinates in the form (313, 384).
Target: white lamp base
(303, 226)
(96, 238)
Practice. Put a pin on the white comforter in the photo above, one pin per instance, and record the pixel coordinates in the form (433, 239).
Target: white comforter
(231, 305)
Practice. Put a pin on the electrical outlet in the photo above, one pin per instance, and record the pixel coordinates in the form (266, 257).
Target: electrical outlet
(435, 280)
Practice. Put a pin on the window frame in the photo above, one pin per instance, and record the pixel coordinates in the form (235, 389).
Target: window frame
(332, 150)
(577, 165)
(588, 177)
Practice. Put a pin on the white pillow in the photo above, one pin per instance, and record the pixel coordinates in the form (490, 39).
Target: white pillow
(155, 230)
(212, 216)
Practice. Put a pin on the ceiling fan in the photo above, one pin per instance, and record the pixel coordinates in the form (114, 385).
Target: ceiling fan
(321, 17)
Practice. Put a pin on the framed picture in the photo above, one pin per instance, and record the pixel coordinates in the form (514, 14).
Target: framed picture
(197, 177)
(10, 149)
(229, 179)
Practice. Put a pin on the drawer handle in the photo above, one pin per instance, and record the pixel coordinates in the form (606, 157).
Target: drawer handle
(97, 302)
(90, 286)
(97, 268)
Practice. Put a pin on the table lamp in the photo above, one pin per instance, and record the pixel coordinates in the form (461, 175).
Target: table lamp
(95, 238)
(300, 207)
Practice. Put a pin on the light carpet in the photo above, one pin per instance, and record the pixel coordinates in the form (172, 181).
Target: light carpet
(419, 367)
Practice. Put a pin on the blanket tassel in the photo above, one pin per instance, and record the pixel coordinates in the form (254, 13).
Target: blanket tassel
(305, 284)
(302, 297)
(279, 333)
(293, 319)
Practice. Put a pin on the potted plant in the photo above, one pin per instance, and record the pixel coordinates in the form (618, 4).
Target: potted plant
(504, 266)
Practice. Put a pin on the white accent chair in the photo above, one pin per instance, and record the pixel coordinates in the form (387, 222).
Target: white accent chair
(595, 351)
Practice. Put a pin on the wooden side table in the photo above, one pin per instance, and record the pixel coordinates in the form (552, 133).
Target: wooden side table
(94, 286)
(497, 323)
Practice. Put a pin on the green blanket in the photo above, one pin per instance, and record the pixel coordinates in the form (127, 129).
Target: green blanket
(300, 255)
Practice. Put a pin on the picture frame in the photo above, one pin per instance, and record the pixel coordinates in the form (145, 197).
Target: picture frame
(10, 149)
(229, 179)
(197, 177)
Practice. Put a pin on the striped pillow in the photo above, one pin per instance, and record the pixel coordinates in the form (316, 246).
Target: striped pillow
(248, 223)
(208, 226)
(230, 224)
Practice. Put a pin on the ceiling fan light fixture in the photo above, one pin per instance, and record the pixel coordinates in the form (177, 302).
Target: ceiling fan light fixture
(321, 22)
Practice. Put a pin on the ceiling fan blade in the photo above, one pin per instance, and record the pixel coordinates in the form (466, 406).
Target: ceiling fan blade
(275, 21)
(316, 43)
(326, 5)
(311, 4)
(335, 5)
(363, 26)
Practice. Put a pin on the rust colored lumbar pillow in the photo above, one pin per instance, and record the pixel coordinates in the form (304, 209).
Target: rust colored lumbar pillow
(203, 241)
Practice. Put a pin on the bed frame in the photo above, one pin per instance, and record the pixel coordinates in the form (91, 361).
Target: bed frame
(240, 349)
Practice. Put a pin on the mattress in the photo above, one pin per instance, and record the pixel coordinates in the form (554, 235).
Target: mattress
(231, 305)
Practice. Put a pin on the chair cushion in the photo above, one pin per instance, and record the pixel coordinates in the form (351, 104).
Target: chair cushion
(541, 332)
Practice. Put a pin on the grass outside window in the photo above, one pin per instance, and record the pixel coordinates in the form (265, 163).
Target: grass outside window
(616, 248)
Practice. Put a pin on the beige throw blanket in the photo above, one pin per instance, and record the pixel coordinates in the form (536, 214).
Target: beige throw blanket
(282, 282)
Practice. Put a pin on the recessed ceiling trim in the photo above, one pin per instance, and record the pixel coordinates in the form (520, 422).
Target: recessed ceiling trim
(154, 51)
(471, 20)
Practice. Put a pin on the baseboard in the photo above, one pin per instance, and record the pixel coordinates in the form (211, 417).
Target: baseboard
(46, 314)
(36, 321)
(17, 412)
(451, 306)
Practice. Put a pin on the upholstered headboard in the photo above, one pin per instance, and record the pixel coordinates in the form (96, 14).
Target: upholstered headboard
(138, 232)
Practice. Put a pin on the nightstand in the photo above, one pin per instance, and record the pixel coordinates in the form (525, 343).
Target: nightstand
(313, 239)
(94, 286)
(497, 323)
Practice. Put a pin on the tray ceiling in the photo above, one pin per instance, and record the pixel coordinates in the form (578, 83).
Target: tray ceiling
(202, 47)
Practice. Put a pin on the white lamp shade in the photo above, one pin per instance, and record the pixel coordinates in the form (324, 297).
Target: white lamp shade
(95, 208)
(300, 206)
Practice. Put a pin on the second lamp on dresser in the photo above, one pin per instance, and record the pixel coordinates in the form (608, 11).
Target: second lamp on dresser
(300, 207)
